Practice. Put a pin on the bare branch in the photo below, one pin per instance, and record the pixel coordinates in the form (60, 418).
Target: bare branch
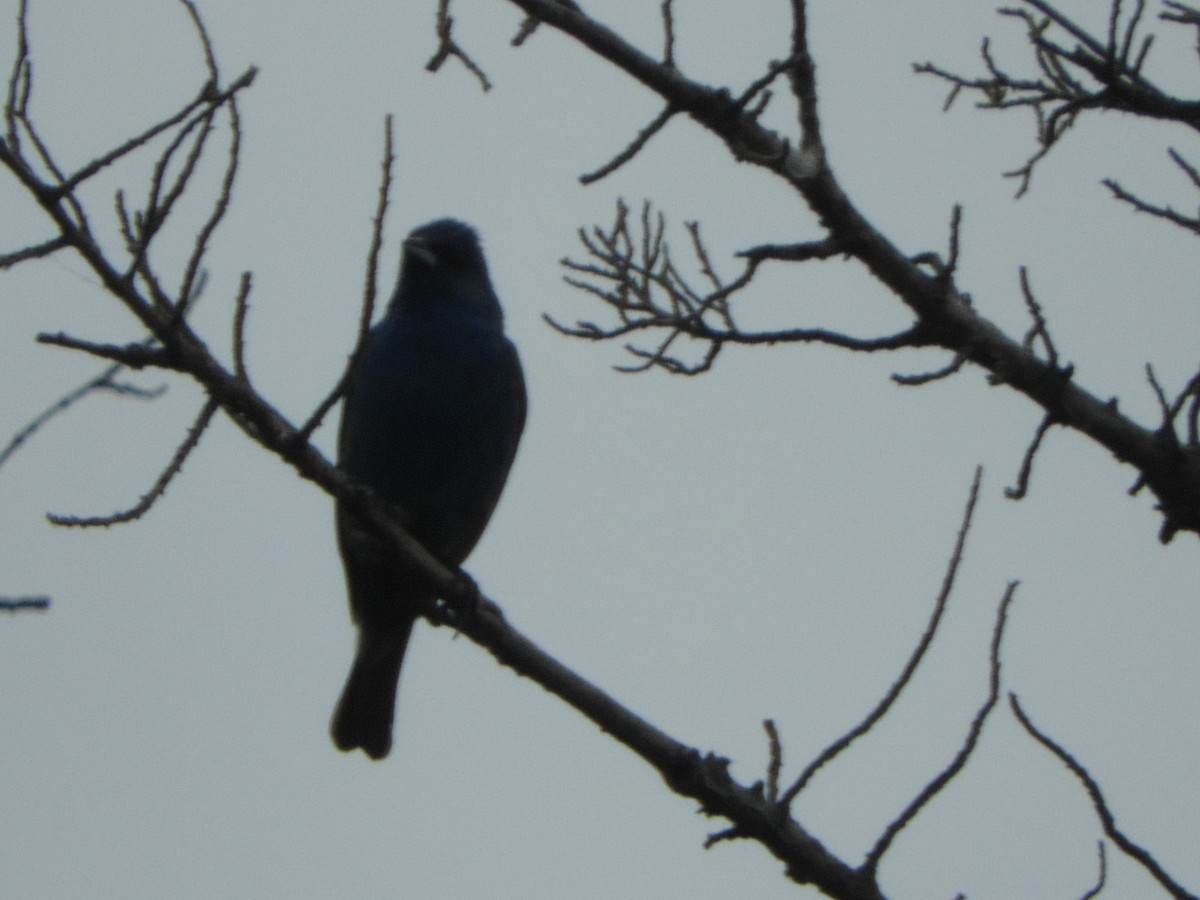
(803, 77)
(1159, 393)
(802, 252)
(914, 661)
(143, 226)
(1127, 846)
(525, 31)
(35, 251)
(668, 34)
(1189, 396)
(17, 604)
(758, 87)
(689, 772)
(97, 165)
(370, 287)
(955, 226)
(1021, 488)
(922, 378)
(635, 146)
(1039, 330)
(646, 299)
(105, 381)
(18, 123)
(20, 82)
(160, 486)
(241, 310)
(704, 777)
(448, 47)
(1101, 876)
(775, 766)
(1190, 223)
(943, 778)
(141, 355)
(1059, 95)
(210, 57)
(1182, 14)
(1192, 390)
(636, 276)
(187, 286)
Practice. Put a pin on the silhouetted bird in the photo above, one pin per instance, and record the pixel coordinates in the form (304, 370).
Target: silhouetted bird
(433, 414)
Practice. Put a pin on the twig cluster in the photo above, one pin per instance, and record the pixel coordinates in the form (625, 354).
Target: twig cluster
(1094, 73)
(160, 309)
(631, 270)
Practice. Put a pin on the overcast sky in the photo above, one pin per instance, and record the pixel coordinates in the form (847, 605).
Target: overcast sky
(764, 541)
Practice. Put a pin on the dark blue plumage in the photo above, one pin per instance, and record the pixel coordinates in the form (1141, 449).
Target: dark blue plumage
(433, 414)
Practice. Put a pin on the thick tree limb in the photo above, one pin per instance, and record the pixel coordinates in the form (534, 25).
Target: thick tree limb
(944, 314)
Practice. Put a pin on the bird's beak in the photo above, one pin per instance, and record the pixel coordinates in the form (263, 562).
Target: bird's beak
(418, 249)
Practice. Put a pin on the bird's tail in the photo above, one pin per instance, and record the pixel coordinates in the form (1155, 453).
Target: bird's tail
(363, 717)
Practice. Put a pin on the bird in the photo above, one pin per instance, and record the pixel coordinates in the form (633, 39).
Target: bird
(433, 412)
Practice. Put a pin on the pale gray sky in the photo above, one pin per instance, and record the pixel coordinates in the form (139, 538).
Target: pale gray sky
(765, 541)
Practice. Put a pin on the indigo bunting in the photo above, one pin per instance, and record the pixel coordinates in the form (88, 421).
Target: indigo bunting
(433, 413)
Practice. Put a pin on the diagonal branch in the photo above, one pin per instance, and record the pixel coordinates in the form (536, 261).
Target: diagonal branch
(635, 147)
(945, 315)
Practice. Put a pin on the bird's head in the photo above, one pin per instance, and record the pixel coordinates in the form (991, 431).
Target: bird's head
(443, 262)
(447, 244)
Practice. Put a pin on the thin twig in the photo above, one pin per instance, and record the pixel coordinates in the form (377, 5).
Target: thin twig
(160, 485)
(1021, 488)
(931, 790)
(922, 378)
(775, 765)
(448, 47)
(370, 288)
(1101, 875)
(241, 310)
(668, 57)
(1131, 849)
(141, 355)
(1039, 329)
(914, 660)
(16, 604)
(36, 251)
(105, 381)
(635, 146)
(225, 194)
